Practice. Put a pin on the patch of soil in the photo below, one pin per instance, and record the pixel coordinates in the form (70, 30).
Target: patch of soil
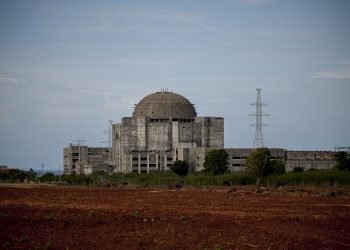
(111, 218)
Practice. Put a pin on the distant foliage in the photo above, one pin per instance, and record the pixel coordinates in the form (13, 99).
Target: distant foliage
(314, 178)
(278, 167)
(216, 162)
(298, 169)
(48, 177)
(17, 175)
(180, 168)
(343, 160)
(258, 163)
(31, 174)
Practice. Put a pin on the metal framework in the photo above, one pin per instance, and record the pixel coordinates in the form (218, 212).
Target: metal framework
(259, 138)
(110, 160)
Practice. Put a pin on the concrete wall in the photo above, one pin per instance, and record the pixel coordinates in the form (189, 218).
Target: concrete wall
(210, 131)
(142, 135)
(310, 159)
(78, 158)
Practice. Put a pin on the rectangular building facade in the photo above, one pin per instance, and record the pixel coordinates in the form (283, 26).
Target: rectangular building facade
(78, 159)
(142, 144)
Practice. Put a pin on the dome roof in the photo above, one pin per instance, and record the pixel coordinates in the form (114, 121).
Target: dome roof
(165, 105)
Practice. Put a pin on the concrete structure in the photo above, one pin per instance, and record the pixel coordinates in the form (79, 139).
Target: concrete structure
(310, 159)
(163, 128)
(78, 159)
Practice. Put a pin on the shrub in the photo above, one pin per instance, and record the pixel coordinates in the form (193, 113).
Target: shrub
(180, 168)
(216, 162)
(278, 167)
(298, 169)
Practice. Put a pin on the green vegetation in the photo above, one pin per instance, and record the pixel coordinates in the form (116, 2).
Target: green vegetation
(298, 169)
(343, 160)
(272, 177)
(314, 178)
(17, 175)
(278, 167)
(260, 165)
(216, 162)
(48, 177)
(257, 164)
(180, 168)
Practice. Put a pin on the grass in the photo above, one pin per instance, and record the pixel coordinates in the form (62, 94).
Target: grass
(168, 179)
(315, 178)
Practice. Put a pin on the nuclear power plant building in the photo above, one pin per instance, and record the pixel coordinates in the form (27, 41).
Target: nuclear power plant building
(163, 128)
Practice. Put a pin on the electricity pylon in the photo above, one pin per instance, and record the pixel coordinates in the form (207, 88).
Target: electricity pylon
(259, 138)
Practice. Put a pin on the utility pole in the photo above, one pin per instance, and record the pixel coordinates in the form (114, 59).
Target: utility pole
(110, 160)
(59, 174)
(259, 138)
(110, 138)
(42, 169)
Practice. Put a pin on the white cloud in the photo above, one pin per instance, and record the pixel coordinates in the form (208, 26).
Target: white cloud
(91, 92)
(8, 80)
(254, 2)
(341, 72)
(127, 18)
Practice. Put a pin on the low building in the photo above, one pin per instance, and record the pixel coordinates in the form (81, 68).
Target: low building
(310, 160)
(79, 159)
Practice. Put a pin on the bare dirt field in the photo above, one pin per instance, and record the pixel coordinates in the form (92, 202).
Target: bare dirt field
(54, 217)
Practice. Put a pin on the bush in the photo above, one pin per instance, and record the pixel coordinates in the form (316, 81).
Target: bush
(278, 167)
(47, 177)
(316, 178)
(298, 169)
(343, 160)
(13, 175)
(216, 162)
(180, 168)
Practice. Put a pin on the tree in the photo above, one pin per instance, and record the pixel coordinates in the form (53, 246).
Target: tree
(278, 167)
(31, 174)
(13, 175)
(180, 168)
(298, 169)
(343, 160)
(216, 162)
(47, 177)
(258, 164)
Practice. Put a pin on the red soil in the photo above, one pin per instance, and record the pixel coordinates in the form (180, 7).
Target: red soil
(112, 218)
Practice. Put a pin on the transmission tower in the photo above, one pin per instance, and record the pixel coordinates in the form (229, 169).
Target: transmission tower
(110, 139)
(42, 168)
(259, 138)
(110, 160)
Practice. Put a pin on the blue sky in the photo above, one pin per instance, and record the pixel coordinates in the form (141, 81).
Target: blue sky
(67, 67)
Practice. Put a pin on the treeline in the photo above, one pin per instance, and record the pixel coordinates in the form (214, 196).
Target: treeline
(168, 179)
(259, 170)
(17, 175)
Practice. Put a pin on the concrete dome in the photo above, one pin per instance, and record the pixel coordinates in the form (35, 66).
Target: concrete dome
(165, 105)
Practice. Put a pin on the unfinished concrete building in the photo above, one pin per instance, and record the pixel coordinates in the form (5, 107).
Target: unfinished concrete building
(310, 160)
(79, 159)
(162, 129)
